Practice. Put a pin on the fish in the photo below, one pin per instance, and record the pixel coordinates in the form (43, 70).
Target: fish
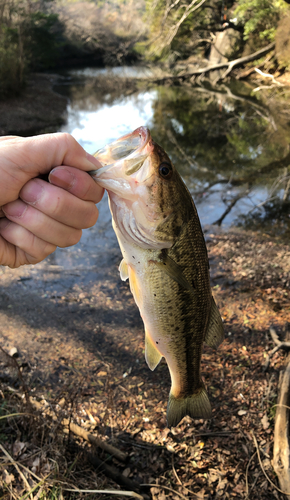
(165, 259)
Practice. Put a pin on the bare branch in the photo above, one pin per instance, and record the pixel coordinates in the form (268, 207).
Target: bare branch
(189, 10)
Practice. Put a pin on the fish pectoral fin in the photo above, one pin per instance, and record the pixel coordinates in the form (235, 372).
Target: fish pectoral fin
(152, 355)
(215, 332)
(196, 405)
(123, 268)
(175, 272)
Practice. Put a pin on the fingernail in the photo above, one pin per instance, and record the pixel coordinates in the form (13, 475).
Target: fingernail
(4, 223)
(15, 208)
(62, 177)
(94, 160)
(32, 191)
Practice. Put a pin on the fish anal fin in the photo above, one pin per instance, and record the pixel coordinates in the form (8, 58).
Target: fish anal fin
(152, 355)
(135, 285)
(123, 268)
(215, 332)
(174, 271)
(196, 405)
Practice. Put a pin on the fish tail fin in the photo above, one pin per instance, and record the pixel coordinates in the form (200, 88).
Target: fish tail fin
(196, 405)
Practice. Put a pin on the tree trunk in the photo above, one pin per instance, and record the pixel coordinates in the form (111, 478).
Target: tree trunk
(281, 451)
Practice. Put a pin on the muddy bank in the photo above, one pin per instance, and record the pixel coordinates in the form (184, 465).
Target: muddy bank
(38, 109)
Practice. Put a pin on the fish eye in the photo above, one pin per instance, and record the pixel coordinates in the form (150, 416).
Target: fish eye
(165, 170)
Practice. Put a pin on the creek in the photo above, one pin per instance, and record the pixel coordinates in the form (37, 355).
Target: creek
(230, 148)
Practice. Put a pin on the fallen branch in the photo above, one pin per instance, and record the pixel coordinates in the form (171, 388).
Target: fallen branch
(114, 473)
(281, 450)
(230, 65)
(267, 75)
(120, 493)
(108, 470)
(79, 431)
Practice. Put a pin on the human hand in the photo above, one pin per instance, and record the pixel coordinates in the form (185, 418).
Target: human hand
(37, 216)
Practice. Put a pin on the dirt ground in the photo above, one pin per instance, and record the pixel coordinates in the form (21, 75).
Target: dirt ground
(81, 350)
(37, 110)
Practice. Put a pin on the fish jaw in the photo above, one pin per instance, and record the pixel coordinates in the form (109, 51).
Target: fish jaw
(128, 180)
(125, 146)
(122, 160)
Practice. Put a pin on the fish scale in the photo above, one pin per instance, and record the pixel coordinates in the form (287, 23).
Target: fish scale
(165, 259)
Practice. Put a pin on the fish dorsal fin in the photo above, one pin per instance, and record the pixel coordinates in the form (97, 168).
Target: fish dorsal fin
(175, 272)
(152, 355)
(123, 268)
(215, 332)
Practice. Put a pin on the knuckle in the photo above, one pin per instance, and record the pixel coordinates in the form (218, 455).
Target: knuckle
(67, 139)
(56, 206)
(92, 217)
(47, 249)
(72, 239)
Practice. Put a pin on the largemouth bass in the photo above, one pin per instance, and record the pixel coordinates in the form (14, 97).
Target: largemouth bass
(165, 259)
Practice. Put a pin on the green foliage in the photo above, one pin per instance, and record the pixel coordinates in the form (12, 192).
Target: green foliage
(41, 43)
(260, 17)
(29, 40)
(11, 64)
(183, 27)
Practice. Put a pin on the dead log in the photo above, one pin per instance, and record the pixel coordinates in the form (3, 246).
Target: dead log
(281, 450)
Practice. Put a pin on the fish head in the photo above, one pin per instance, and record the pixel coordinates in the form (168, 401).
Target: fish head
(144, 188)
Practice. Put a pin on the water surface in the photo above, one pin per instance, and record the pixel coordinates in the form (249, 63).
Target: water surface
(229, 147)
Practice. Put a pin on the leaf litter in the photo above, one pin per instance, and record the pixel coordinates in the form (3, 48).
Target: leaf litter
(81, 356)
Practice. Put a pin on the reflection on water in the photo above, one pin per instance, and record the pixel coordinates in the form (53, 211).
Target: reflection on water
(122, 71)
(96, 124)
(228, 146)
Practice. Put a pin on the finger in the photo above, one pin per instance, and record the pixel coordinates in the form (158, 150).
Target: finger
(39, 154)
(24, 158)
(76, 182)
(41, 225)
(8, 137)
(18, 246)
(60, 205)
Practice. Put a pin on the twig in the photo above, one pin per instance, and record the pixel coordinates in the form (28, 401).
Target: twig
(108, 492)
(247, 471)
(189, 10)
(279, 345)
(267, 75)
(79, 431)
(263, 470)
(26, 484)
(174, 471)
(154, 485)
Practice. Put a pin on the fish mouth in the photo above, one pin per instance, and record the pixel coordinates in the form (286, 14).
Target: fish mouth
(130, 149)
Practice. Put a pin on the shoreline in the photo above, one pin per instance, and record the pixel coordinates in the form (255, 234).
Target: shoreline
(38, 109)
